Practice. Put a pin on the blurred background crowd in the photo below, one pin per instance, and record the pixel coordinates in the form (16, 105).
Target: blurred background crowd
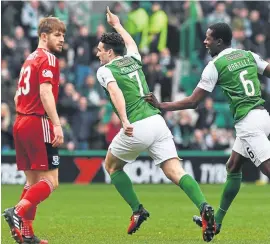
(170, 37)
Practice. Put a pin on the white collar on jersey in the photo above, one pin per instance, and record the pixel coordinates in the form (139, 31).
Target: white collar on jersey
(224, 52)
(116, 58)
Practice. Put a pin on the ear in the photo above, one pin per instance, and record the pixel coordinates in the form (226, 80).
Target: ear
(219, 42)
(110, 52)
(43, 36)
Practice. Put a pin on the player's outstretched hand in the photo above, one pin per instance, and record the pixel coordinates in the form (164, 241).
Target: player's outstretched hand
(112, 19)
(150, 97)
(58, 136)
(128, 128)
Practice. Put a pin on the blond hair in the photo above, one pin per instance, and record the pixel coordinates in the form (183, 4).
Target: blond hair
(50, 24)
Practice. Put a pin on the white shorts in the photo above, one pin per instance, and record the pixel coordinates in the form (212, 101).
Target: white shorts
(251, 136)
(151, 135)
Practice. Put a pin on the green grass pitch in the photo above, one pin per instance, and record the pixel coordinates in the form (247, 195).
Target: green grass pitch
(85, 214)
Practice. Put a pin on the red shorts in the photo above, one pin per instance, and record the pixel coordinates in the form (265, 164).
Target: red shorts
(32, 137)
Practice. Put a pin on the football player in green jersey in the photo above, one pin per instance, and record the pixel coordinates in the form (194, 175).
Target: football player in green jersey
(144, 129)
(236, 72)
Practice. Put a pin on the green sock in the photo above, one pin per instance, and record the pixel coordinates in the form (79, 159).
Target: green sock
(193, 190)
(124, 186)
(231, 188)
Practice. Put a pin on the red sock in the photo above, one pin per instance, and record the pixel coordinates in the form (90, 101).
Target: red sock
(25, 189)
(31, 213)
(27, 228)
(36, 194)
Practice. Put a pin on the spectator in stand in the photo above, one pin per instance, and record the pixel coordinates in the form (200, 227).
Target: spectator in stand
(260, 47)
(30, 17)
(198, 142)
(82, 122)
(167, 68)
(152, 71)
(6, 128)
(241, 21)
(240, 41)
(61, 11)
(257, 24)
(184, 128)
(80, 14)
(94, 40)
(137, 25)
(207, 115)
(21, 44)
(8, 85)
(110, 129)
(95, 96)
(8, 45)
(213, 141)
(219, 15)
(65, 72)
(68, 102)
(69, 142)
(158, 28)
(82, 50)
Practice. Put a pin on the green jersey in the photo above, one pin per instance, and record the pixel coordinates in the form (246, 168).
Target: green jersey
(127, 72)
(236, 72)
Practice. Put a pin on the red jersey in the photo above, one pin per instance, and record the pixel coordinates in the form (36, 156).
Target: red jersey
(41, 66)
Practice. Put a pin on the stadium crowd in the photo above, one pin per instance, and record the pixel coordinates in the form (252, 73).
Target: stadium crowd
(86, 116)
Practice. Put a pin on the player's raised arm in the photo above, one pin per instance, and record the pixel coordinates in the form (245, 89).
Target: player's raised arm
(114, 21)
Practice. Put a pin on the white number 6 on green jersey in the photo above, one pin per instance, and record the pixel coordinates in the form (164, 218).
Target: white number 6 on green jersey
(246, 83)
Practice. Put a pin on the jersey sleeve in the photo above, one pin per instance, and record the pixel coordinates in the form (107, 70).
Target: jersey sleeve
(47, 71)
(209, 77)
(105, 76)
(261, 64)
(136, 55)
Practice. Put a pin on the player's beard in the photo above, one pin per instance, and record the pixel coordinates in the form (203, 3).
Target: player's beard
(52, 46)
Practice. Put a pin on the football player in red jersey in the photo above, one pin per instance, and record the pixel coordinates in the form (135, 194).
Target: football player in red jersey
(37, 130)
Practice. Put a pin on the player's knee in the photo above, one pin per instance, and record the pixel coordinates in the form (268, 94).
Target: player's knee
(51, 181)
(174, 174)
(55, 184)
(233, 167)
(112, 167)
(265, 168)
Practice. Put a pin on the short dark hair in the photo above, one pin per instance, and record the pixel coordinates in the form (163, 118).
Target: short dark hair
(113, 41)
(222, 31)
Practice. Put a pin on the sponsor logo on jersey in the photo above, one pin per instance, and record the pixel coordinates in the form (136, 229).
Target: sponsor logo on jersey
(47, 73)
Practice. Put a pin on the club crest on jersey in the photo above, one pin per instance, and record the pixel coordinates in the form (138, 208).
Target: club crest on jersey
(55, 160)
(47, 73)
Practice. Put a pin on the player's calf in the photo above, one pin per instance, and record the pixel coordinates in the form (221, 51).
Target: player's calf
(15, 223)
(137, 219)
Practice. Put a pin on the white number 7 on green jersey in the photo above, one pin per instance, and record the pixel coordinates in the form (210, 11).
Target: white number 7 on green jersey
(137, 77)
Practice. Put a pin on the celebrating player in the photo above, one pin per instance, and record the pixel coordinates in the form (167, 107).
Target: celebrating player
(236, 72)
(144, 129)
(37, 130)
